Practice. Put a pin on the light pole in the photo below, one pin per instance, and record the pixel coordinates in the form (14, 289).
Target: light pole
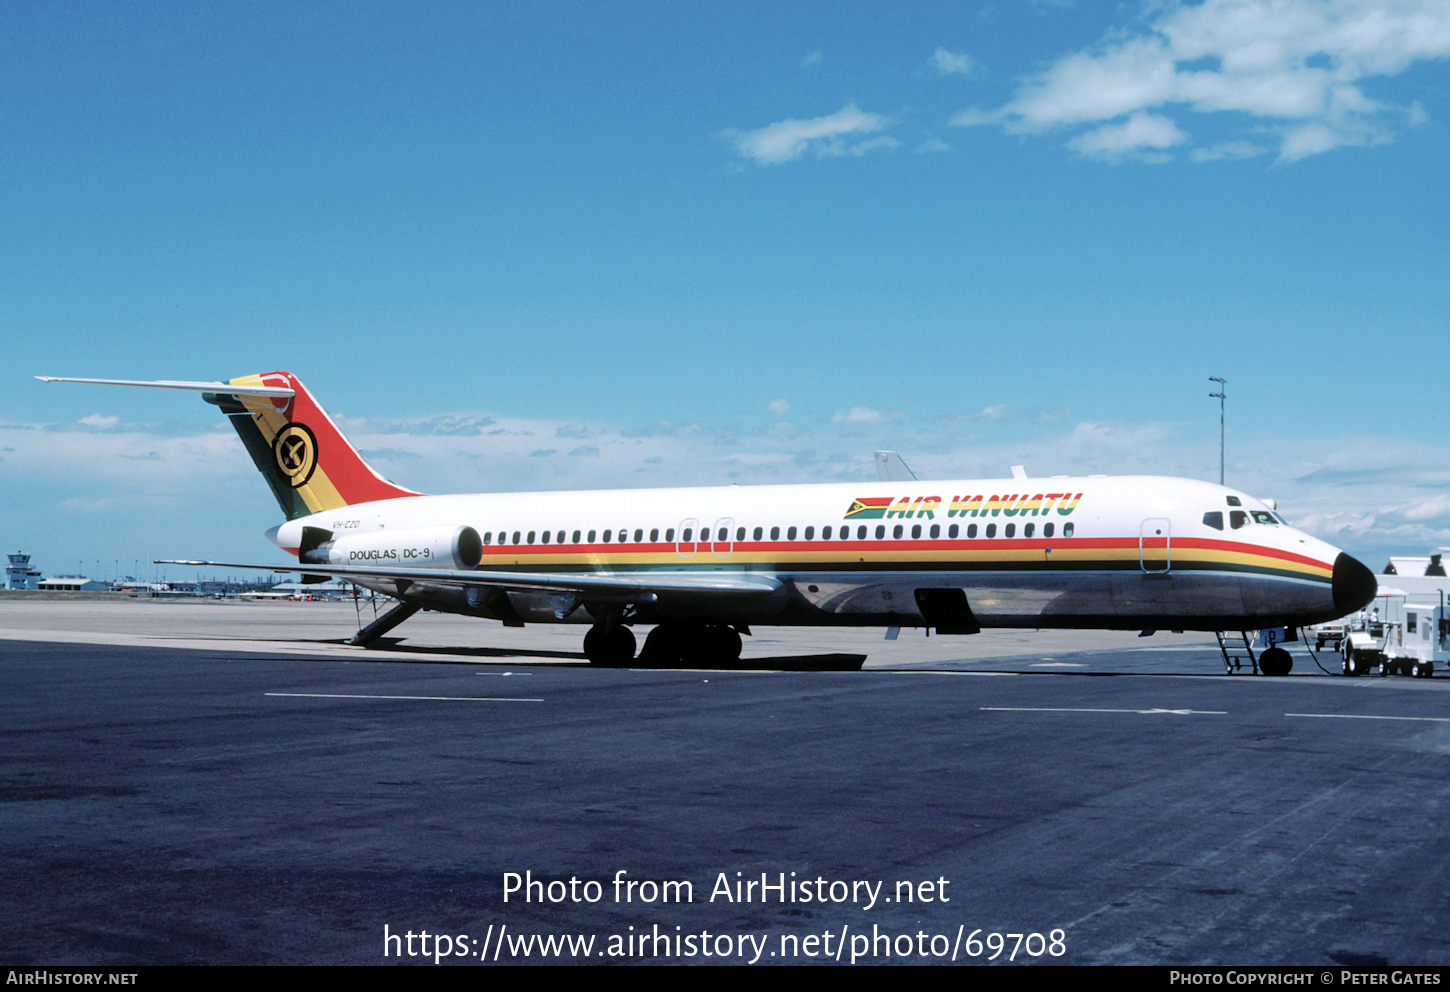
(1220, 396)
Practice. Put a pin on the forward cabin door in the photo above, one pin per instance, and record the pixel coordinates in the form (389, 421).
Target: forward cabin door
(1155, 537)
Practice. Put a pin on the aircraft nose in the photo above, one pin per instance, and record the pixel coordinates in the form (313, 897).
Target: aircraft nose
(1354, 584)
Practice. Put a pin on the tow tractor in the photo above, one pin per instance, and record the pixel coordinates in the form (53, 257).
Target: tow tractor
(1410, 646)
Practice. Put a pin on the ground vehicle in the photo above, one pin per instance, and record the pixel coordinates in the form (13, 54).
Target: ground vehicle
(1410, 646)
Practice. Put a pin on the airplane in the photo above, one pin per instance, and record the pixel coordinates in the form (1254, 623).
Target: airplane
(704, 565)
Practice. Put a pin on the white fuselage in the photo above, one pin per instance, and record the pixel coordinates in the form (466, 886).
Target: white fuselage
(1121, 552)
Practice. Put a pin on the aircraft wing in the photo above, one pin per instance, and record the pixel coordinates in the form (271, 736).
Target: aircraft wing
(633, 588)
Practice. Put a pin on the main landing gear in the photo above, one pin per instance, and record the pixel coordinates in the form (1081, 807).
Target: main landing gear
(670, 645)
(609, 646)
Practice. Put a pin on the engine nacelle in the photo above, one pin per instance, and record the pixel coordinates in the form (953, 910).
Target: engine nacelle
(423, 547)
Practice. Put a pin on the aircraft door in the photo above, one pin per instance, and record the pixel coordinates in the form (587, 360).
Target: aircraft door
(723, 538)
(1155, 537)
(686, 547)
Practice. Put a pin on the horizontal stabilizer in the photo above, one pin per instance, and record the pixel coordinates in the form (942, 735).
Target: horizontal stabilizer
(191, 387)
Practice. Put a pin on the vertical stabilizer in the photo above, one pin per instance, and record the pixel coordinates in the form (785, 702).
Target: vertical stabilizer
(298, 449)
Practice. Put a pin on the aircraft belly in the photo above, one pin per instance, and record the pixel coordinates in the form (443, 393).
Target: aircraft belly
(1197, 600)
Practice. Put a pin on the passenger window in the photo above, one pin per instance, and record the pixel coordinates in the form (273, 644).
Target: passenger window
(810, 533)
(826, 533)
(991, 530)
(971, 530)
(545, 538)
(639, 535)
(592, 536)
(1047, 530)
(623, 534)
(488, 537)
(1011, 531)
(1214, 519)
(685, 538)
(723, 534)
(758, 533)
(1028, 529)
(775, 533)
(790, 534)
(952, 532)
(576, 537)
(880, 531)
(670, 535)
(531, 537)
(739, 533)
(896, 532)
(935, 531)
(1067, 530)
(861, 533)
(654, 535)
(608, 532)
(1237, 518)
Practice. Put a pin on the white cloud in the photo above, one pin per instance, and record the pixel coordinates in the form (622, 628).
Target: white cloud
(833, 135)
(946, 63)
(1294, 66)
(812, 58)
(858, 415)
(1228, 150)
(100, 422)
(778, 407)
(1143, 136)
(932, 145)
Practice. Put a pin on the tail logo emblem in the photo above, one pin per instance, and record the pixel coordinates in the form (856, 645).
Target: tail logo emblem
(295, 451)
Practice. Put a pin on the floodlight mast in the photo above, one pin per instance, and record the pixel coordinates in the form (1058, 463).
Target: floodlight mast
(1220, 396)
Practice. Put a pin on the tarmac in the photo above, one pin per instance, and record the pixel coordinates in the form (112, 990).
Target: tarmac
(228, 783)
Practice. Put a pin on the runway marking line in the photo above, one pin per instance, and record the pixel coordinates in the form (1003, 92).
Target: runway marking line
(1361, 716)
(1078, 709)
(451, 699)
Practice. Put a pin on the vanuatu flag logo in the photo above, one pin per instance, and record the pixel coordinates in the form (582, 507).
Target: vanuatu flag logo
(871, 508)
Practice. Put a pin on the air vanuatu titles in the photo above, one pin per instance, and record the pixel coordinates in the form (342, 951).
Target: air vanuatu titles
(925, 507)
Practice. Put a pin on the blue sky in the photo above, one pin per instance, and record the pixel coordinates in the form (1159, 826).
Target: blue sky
(664, 244)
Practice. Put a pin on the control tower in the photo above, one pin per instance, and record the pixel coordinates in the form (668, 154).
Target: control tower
(19, 574)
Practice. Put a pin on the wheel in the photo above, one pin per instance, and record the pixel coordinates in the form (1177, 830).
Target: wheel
(1351, 664)
(665, 646)
(609, 648)
(688, 645)
(1275, 661)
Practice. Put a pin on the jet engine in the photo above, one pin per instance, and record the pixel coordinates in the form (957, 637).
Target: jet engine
(423, 547)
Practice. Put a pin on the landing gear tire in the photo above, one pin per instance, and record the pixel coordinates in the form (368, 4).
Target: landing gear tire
(688, 645)
(1275, 661)
(609, 648)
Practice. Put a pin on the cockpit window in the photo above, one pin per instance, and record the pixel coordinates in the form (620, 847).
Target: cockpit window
(1263, 517)
(1234, 501)
(1214, 519)
(1237, 518)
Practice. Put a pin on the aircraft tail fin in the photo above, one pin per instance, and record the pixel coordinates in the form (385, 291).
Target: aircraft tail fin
(301, 453)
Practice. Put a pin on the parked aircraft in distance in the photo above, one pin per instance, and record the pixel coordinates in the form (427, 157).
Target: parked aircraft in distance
(706, 564)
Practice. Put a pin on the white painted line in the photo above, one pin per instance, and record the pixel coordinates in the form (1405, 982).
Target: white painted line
(459, 699)
(1055, 664)
(1361, 716)
(1074, 709)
